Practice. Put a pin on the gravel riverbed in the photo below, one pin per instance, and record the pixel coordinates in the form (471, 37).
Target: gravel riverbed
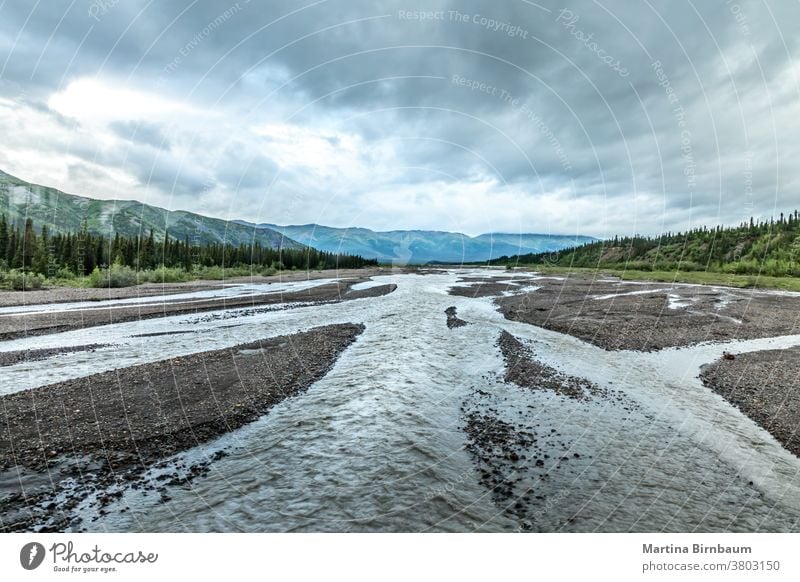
(117, 424)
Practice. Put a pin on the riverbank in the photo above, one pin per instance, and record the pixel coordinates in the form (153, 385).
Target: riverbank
(35, 323)
(623, 315)
(113, 435)
(763, 282)
(66, 294)
(765, 386)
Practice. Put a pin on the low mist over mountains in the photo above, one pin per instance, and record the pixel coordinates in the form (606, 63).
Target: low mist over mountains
(402, 247)
(63, 212)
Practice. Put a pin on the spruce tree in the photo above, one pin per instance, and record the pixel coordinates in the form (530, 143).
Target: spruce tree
(3, 239)
(28, 245)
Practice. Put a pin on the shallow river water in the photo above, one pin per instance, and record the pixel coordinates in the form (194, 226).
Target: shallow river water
(378, 444)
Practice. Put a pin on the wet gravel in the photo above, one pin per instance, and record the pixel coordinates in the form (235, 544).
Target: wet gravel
(75, 294)
(496, 447)
(20, 356)
(36, 324)
(524, 370)
(487, 288)
(453, 320)
(515, 447)
(646, 317)
(93, 433)
(765, 386)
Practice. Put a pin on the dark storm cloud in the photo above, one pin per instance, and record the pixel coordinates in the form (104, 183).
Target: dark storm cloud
(682, 111)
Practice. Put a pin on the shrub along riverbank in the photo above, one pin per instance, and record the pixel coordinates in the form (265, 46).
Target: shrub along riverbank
(754, 254)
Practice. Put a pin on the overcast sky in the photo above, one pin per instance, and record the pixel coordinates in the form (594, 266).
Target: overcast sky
(588, 117)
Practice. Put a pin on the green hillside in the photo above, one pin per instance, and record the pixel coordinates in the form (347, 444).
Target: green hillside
(770, 248)
(65, 213)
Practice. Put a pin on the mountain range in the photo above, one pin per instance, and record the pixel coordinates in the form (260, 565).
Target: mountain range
(402, 247)
(63, 212)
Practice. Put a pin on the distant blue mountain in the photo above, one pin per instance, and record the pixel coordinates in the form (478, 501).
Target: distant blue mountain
(402, 247)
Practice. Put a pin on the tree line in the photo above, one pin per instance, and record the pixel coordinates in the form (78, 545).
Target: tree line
(78, 253)
(766, 247)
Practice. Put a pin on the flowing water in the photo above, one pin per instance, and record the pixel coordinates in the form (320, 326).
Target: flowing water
(379, 444)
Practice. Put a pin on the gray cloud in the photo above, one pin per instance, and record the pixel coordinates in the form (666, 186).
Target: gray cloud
(555, 111)
(141, 132)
